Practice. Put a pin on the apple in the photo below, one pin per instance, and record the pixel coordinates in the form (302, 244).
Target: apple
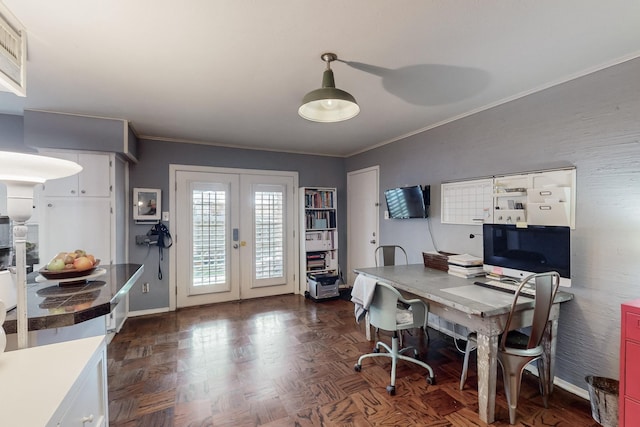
(82, 263)
(55, 264)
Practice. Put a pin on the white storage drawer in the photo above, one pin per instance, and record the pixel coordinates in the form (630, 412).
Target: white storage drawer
(549, 195)
(549, 213)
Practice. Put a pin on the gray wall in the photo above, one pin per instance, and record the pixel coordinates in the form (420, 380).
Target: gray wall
(12, 133)
(592, 123)
(152, 171)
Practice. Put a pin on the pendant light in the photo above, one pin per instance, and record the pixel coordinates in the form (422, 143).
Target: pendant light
(328, 104)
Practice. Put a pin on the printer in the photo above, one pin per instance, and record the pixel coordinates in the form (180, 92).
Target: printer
(323, 286)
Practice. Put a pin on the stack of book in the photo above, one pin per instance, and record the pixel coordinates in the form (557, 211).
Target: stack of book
(465, 266)
(315, 261)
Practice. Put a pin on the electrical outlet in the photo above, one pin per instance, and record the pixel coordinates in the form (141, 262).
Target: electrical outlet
(145, 287)
(386, 214)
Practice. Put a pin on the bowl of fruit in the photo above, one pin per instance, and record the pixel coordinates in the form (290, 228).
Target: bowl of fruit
(68, 265)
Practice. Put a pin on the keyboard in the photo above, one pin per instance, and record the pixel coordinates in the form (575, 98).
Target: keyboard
(507, 287)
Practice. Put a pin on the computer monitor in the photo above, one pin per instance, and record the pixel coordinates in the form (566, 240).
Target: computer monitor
(517, 252)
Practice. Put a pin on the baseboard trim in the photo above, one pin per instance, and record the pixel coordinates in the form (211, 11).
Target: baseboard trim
(147, 312)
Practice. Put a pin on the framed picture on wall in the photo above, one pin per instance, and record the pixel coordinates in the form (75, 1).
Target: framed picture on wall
(146, 204)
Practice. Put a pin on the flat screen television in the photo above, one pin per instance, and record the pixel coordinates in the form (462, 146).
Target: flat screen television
(518, 252)
(407, 202)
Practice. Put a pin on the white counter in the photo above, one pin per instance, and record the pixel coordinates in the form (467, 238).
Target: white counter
(55, 385)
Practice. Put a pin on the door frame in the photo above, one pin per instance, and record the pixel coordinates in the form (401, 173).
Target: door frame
(173, 259)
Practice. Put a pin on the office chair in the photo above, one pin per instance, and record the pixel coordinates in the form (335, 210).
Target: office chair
(389, 258)
(516, 350)
(385, 314)
(389, 254)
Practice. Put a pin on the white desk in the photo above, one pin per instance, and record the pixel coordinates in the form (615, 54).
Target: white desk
(482, 310)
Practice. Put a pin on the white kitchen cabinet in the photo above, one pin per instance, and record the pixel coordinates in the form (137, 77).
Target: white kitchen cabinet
(93, 181)
(79, 212)
(55, 385)
(68, 224)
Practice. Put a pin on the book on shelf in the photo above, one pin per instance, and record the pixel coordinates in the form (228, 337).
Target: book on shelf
(318, 199)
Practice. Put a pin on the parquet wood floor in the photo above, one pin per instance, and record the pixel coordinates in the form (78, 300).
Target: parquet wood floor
(288, 361)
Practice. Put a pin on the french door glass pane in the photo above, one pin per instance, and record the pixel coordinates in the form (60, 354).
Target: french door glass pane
(269, 237)
(209, 245)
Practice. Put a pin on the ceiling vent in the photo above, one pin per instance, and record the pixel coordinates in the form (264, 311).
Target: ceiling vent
(13, 53)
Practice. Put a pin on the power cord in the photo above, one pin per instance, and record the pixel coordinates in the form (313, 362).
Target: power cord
(435, 246)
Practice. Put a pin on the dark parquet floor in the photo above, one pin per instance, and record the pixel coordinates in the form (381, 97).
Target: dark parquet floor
(288, 361)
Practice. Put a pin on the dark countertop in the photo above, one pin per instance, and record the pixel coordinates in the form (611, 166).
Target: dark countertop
(53, 306)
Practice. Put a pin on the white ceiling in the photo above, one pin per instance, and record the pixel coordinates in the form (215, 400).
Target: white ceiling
(233, 72)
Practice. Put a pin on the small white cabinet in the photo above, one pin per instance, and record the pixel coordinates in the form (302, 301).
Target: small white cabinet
(93, 181)
(536, 198)
(55, 385)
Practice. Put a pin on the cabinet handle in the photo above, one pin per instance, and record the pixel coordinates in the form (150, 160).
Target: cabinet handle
(83, 191)
(73, 191)
(88, 419)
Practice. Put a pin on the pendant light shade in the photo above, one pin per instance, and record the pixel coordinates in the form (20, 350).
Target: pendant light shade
(328, 104)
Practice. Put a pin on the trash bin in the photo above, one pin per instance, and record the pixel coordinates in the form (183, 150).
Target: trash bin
(603, 394)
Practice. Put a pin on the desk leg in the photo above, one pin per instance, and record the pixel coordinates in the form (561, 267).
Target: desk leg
(487, 371)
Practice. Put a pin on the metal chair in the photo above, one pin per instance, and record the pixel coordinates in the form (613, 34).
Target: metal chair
(389, 254)
(516, 349)
(385, 314)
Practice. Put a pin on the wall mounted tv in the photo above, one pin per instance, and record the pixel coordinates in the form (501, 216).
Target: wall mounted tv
(518, 252)
(408, 202)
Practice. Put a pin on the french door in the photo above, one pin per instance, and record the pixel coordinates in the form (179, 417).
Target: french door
(235, 234)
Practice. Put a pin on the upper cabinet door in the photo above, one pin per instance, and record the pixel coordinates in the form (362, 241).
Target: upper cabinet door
(93, 181)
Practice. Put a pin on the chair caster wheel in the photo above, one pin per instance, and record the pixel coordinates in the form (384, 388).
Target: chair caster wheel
(431, 380)
(357, 368)
(391, 389)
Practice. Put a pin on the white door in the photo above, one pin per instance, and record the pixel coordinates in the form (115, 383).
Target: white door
(362, 218)
(235, 235)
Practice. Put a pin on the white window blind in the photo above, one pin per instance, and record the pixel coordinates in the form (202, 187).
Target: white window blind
(269, 234)
(209, 243)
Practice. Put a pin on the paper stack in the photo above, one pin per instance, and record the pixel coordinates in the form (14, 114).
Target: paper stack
(465, 266)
